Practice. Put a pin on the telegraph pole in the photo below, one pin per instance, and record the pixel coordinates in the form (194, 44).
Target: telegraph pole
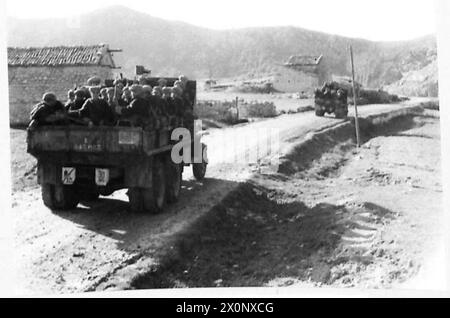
(237, 107)
(358, 141)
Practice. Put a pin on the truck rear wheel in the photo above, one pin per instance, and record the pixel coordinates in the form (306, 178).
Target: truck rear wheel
(65, 197)
(59, 196)
(136, 199)
(320, 112)
(199, 169)
(88, 194)
(91, 196)
(48, 190)
(341, 113)
(154, 198)
(150, 199)
(173, 181)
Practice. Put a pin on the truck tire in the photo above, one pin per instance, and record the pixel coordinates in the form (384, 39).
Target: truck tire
(173, 181)
(199, 169)
(135, 199)
(91, 196)
(320, 112)
(88, 194)
(154, 198)
(65, 197)
(48, 190)
(342, 113)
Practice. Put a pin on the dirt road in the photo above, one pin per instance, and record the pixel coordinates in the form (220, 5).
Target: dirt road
(367, 218)
(102, 245)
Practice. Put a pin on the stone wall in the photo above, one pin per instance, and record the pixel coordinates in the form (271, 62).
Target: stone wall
(28, 84)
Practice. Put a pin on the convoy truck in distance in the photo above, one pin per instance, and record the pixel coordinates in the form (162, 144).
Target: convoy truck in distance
(331, 98)
(77, 163)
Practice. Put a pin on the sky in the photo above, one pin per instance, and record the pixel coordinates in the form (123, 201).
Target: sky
(378, 20)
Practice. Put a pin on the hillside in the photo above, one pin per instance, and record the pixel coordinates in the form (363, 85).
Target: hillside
(170, 47)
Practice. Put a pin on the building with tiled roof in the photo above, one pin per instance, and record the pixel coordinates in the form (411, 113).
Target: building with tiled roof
(301, 74)
(93, 55)
(35, 70)
(303, 60)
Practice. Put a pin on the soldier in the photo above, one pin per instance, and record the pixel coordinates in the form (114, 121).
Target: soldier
(70, 96)
(182, 83)
(177, 102)
(162, 82)
(95, 109)
(183, 79)
(342, 95)
(166, 92)
(119, 88)
(85, 91)
(78, 102)
(94, 81)
(111, 97)
(157, 91)
(148, 95)
(183, 107)
(158, 104)
(179, 84)
(126, 95)
(123, 81)
(138, 112)
(147, 91)
(143, 81)
(104, 94)
(48, 111)
(169, 108)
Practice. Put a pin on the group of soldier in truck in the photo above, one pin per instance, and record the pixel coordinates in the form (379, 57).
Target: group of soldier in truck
(116, 136)
(124, 103)
(331, 98)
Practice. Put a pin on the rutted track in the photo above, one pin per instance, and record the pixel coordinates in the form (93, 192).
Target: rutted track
(103, 245)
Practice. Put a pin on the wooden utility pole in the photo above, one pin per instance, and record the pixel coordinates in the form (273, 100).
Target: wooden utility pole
(237, 107)
(358, 141)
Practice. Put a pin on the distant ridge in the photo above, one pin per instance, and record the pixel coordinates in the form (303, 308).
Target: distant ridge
(173, 47)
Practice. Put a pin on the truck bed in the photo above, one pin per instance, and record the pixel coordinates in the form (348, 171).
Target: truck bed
(100, 140)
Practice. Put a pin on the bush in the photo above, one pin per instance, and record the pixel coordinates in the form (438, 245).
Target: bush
(258, 109)
(225, 111)
(376, 97)
(255, 88)
(434, 105)
(217, 110)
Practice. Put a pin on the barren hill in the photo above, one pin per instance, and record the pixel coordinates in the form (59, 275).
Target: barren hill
(170, 47)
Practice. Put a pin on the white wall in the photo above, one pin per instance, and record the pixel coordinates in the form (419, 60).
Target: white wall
(28, 84)
(291, 81)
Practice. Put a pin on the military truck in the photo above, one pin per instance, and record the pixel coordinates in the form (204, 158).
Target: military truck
(331, 98)
(77, 163)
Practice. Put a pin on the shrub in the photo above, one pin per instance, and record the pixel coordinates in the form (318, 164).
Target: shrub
(225, 111)
(376, 97)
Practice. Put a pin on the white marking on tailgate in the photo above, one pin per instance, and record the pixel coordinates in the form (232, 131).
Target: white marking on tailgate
(68, 175)
(101, 176)
(128, 138)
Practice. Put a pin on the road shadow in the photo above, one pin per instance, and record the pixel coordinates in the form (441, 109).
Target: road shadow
(253, 237)
(113, 218)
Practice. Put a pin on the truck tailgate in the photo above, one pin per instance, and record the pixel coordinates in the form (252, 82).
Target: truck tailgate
(92, 140)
